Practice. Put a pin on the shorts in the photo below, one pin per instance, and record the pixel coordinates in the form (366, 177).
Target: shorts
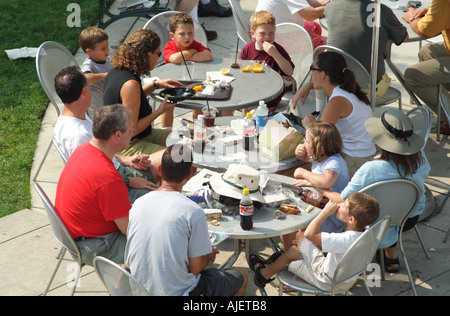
(147, 145)
(218, 282)
(110, 246)
(126, 172)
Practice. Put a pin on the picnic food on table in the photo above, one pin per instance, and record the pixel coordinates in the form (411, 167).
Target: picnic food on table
(197, 88)
(290, 209)
(247, 68)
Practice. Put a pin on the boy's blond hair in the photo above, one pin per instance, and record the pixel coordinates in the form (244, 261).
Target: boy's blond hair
(179, 19)
(90, 37)
(364, 208)
(261, 18)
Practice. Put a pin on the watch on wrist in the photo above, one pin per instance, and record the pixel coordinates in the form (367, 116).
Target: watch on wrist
(127, 181)
(154, 84)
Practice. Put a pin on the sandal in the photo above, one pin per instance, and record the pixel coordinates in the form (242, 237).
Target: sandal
(259, 280)
(254, 259)
(388, 262)
(274, 257)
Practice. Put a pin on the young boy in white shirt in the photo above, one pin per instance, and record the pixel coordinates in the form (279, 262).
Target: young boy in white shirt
(306, 256)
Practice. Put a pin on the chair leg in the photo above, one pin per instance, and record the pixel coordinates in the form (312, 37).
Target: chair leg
(60, 258)
(446, 235)
(383, 274)
(43, 160)
(411, 280)
(364, 279)
(77, 278)
(421, 242)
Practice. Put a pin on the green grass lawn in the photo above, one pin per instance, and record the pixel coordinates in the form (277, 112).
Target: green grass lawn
(22, 100)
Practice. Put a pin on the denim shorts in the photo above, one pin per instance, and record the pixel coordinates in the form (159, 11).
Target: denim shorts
(218, 282)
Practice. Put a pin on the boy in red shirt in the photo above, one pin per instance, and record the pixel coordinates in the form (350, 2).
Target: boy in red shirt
(266, 49)
(182, 34)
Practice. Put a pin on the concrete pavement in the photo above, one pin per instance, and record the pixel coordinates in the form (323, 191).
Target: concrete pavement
(28, 249)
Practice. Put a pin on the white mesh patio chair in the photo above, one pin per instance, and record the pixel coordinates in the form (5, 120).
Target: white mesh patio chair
(354, 263)
(160, 25)
(363, 77)
(242, 22)
(63, 237)
(297, 42)
(117, 280)
(51, 57)
(397, 198)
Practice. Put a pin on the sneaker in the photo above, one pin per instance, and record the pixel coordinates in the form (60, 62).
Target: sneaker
(210, 35)
(213, 8)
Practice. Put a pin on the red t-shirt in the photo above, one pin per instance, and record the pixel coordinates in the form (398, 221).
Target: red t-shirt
(171, 48)
(91, 194)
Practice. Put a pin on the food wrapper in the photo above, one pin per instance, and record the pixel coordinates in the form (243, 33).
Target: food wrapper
(278, 142)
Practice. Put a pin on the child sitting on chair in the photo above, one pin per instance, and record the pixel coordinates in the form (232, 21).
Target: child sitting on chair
(322, 148)
(306, 258)
(182, 34)
(265, 48)
(94, 42)
(183, 45)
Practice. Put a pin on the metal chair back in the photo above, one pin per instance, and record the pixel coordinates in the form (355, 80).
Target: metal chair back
(160, 25)
(297, 42)
(242, 22)
(397, 198)
(51, 57)
(62, 236)
(363, 77)
(117, 280)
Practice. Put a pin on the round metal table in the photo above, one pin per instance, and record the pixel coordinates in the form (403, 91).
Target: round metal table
(218, 157)
(248, 88)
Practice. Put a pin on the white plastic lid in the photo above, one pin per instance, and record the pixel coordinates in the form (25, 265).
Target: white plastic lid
(261, 103)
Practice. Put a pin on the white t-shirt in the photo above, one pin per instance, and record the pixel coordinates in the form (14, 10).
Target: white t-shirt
(357, 142)
(166, 229)
(336, 244)
(71, 132)
(284, 10)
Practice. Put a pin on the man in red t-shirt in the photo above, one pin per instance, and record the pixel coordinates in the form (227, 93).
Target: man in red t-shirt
(91, 197)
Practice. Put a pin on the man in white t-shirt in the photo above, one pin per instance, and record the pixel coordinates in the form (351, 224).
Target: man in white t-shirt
(168, 248)
(74, 128)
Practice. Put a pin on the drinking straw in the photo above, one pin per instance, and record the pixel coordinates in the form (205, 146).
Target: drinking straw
(237, 47)
(207, 104)
(185, 64)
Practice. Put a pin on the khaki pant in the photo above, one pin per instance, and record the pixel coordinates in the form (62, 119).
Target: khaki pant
(424, 78)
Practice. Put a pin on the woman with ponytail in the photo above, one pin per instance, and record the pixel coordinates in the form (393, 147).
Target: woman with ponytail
(348, 107)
